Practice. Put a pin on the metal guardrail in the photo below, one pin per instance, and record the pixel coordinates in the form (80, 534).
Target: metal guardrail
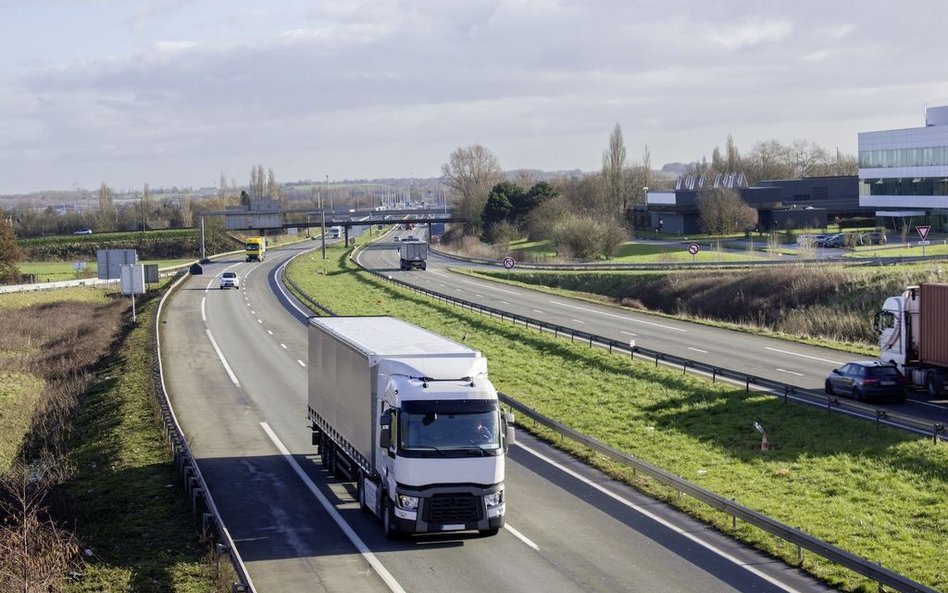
(194, 482)
(937, 430)
(803, 541)
(604, 266)
(857, 564)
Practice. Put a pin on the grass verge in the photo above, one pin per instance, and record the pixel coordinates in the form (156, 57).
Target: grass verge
(876, 492)
(122, 498)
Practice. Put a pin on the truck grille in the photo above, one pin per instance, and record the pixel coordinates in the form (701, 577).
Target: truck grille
(452, 508)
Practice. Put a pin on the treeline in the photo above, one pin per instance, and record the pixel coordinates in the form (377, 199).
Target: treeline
(589, 216)
(167, 244)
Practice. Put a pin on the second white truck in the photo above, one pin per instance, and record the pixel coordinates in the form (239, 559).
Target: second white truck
(913, 335)
(411, 417)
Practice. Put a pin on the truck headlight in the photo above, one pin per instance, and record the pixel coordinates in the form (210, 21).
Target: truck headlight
(494, 499)
(408, 502)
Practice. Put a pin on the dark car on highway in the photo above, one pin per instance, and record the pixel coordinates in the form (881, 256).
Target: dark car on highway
(867, 380)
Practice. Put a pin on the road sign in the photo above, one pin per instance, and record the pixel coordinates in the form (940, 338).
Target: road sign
(922, 231)
(509, 262)
(693, 249)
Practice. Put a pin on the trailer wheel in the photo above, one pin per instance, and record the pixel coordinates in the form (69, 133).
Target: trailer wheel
(360, 487)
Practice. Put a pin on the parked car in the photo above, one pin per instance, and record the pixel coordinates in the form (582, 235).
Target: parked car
(83, 232)
(837, 240)
(230, 280)
(872, 238)
(867, 380)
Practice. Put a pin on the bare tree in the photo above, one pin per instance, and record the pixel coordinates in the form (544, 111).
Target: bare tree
(107, 212)
(10, 252)
(187, 214)
(35, 554)
(723, 211)
(614, 174)
(145, 205)
(471, 172)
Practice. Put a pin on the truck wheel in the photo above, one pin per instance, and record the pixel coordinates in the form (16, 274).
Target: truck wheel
(933, 384)
(388, 519)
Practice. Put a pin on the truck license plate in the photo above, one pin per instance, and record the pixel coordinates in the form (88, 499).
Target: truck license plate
(452, 527)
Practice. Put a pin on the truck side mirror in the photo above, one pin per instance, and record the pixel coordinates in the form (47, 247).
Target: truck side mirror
(385, 434)
(510, 436)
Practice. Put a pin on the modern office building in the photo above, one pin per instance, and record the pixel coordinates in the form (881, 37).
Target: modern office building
(782, 204)
(903, 174)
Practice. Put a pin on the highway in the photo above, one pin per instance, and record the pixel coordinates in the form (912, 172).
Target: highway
(787, 362)
(236, 364)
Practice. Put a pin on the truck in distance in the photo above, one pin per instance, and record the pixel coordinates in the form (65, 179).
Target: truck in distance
(255, 248)
(412, 254)
(411, 417)
(335, 232)
(913, 335)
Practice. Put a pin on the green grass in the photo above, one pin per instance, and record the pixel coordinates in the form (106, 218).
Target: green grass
(129, 505)
(631, 252)
(54, 271)
(876, 492)
(125, 501)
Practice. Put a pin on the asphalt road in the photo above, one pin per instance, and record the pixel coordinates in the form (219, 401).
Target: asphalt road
(236, 372)
(787, 362)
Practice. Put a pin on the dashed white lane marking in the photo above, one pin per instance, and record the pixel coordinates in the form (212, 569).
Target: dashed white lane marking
(622, 317)
(302, 364)
(802, 355)
(698, 350)
(668, 525)
(521, 537)
(791, 372)
(363, 549)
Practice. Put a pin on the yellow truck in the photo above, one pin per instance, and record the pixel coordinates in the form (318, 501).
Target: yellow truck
(255, 248)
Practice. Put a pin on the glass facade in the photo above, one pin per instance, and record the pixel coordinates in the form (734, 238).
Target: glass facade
(930, 156)
(903, 186)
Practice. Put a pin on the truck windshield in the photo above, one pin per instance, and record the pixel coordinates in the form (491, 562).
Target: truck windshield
(450, 429)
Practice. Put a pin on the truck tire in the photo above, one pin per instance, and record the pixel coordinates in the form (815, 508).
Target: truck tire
(388, 518)
(933, 384)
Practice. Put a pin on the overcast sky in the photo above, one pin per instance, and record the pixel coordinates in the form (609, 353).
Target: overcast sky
(177, 92)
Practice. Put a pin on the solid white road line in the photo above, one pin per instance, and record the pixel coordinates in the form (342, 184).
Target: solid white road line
(622, 317)
(204, 309)
(661, 521)
(363, 549)
(803, 355)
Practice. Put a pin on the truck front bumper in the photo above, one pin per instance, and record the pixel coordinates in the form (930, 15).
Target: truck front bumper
(453, 510)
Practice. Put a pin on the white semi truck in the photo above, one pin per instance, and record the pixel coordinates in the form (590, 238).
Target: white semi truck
(913, 335)
(412, 418)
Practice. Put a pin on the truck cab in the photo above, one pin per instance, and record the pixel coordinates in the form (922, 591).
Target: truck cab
(255, 248)
(441, 461)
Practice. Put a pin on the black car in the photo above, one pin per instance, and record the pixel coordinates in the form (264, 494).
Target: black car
(867, 380)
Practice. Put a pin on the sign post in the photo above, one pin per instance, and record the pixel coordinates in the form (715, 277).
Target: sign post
(693, 249)
(922, 231)
(509, 263)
